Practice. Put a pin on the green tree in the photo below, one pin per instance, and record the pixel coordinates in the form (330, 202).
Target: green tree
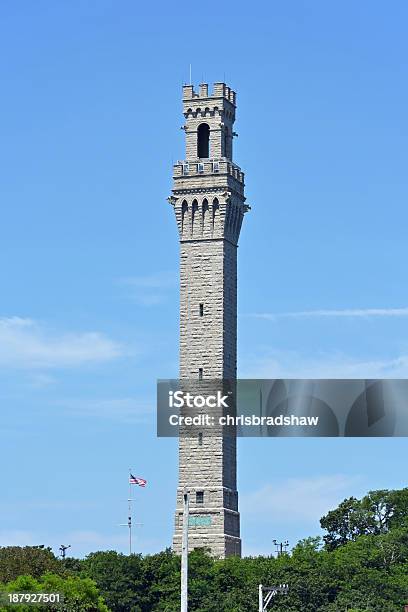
(119, 579)
(28, 560)
(162, 573)
(78, 594)
(376, 513)
(360, 565)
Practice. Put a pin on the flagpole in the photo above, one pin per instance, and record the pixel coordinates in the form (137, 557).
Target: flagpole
(130, 513)
(141, 482)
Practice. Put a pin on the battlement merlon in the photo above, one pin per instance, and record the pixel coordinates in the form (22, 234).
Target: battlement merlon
(222, 96)
(220, 90)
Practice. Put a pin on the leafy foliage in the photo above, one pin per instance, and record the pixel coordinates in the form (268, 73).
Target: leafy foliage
(360, 565)
(79, 594)
(31, 560)
(376, 513)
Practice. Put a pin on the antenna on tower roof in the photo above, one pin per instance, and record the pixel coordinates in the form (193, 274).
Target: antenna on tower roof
(190, 75)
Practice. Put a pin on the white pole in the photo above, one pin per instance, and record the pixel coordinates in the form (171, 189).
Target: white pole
(260, 599)
(184, 555)
(130, 513)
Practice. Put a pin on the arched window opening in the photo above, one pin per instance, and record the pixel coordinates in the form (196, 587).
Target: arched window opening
(194, 211)
(184, 211)
(204, 219)
(215, 213)
(203, 140)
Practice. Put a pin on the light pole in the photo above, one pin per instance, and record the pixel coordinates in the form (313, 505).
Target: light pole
(270, 592)
(184, 553)
(280, 547)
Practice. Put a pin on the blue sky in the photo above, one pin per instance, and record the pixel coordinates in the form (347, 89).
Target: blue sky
(91, 110)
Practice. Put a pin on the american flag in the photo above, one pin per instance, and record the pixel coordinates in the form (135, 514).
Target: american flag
(137, 481)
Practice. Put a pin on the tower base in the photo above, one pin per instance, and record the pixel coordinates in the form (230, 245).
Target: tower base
(220, 546)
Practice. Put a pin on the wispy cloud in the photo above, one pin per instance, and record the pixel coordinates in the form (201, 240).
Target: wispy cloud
(18, 537)
(94, 540)
(25, 343)
(127, 410)
(47, 504)
(289, 364)
(39, 380)
(305, 499)
(362, 313)
(82, 542)
(152, 289)
(161, 280)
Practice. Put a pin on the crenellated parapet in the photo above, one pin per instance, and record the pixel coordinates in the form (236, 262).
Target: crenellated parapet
(183, 170)
(220, 91)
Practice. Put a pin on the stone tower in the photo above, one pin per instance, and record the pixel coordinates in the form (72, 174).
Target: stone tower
(209, 204)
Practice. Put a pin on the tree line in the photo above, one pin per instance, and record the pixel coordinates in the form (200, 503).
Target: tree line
(359, 565)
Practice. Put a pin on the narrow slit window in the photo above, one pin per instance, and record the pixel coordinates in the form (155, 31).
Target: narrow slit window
(200, 373)
(200, 439)
(201, 310)
(199, 497)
